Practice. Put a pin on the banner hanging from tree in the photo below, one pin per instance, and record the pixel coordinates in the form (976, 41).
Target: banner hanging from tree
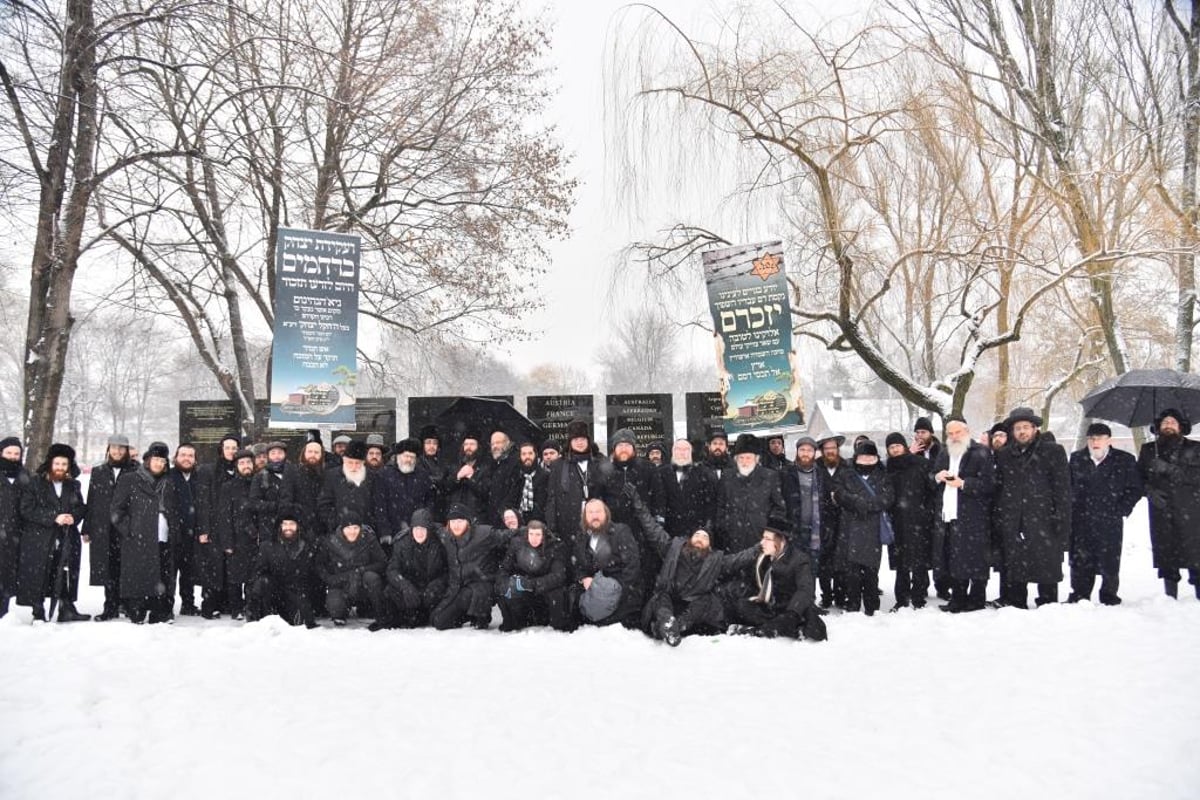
(314, 365)
(757, 375)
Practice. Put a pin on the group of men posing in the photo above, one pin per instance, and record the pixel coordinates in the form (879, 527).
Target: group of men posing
(558, 534)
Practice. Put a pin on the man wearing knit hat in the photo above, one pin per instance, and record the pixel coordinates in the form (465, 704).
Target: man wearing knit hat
(14, 482)
(1105, 486)
(1170, 467)
(925, 444)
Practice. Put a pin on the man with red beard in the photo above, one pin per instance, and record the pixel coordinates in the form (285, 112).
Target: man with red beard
(1170, 467)
(145, 512)
(104, 545)
(50, 542)
(310, 479)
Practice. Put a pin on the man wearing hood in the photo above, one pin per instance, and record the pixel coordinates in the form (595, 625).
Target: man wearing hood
(864, 494)
(416, 575)
(964, 480)
(531, 580)
(747, 498)
(14, 482)
(685, 598)
(104, 546)
(406, 488)
(353, 489)
(1170, 468)
(429, 460)
(50, 542)
(831, 468)
(689, 492)
(1105, 486)
(210, 479)
(574, 479)
(782, 603)
(283, 575)
(656, 453)
(351, 564)
(468, 483)
(911, 555)
(145, 513)
(472, 558)
(236, 534)
(1032, 511)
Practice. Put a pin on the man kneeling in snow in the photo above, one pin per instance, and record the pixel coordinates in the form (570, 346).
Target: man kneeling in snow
(783, 605)
(416, 575)
(685, 599)
(352, 564)
(531, 584)
(606, 567)
(473, 556)
(282, 576)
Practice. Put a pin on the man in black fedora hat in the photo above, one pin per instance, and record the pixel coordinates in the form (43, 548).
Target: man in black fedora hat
(1032, 511)
(1170, 467)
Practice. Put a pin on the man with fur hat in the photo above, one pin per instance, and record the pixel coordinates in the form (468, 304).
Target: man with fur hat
(353, 489)
(831, 467)
(574, 479)
(473, 554)
(964, 480)
(780, 601)
(283, 573)
(145, 512)
(104, 546)
(1170, 468)
(416, 575)
(656, 453)
(865, 495)
(50, 542)
(1032, 511)
(14, 482)
(468, 483)
(911, 555)
(1105, 486)
(747, 498)
(352, 564)
(406, 488)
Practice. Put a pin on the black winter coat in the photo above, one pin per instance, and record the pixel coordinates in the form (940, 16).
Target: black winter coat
(138, 502)
(1101, 497)
(185, 494)
(342, 563)
(831, 515)
(541, 569)
(541, 485)
(864, 499)
(289, 566)
(272, 494)
(690, 504)
(341, 497)
(504, 487)
(403, 494)
(474, 492)
(745, 505)
(309, 483)
(417, 565)
(235, 530)
(1033, 510)
(1171, 474)
(473, 557)
(617, 555)
(39, 507)
(11, 526)
(98, 524)
(716, 566)
(568, 488)
(791, 580)
(912, 513)
(967, 553)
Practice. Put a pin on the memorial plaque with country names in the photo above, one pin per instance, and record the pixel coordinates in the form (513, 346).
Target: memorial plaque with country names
(649, 416)
(704, 412)
(554, 412)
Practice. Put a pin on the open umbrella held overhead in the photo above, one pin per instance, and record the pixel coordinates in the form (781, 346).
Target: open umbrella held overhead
(1135, 397)
(485, 415)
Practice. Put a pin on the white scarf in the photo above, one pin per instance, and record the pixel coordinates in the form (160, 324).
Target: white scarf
(950, 493)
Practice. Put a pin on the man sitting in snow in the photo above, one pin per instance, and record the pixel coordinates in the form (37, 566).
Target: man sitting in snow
(783, 602)
(606, 569)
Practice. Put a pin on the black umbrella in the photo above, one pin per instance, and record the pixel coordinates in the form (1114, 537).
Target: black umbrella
(484, 416)
(1138, 396)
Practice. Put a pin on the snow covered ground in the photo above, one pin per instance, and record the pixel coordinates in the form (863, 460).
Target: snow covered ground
(1064, 702)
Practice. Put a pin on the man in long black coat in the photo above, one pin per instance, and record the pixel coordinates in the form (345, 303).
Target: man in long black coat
(354, 490)
(406, 488)
(1105, 486)
(531, 583)
(273, 492)
(747, 499)
(964, 477)
(468, 482)
(473, 555)
(831, 468)
(310, 480)
(534, 485)
(104, 546)
(50, 542)
(183, 477)
(575, 478)
(430, 461)
(685, 599)
(911, 555)
(689, 492)
(210, 559)
(864, 494)
(416, 575)
(283, 574)
(1170, 467)
(145, 512)
(14, 482)
(504, 479)
(1033, 510)
(236, 534)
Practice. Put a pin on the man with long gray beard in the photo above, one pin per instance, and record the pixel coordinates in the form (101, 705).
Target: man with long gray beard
(1170, 467)
(355, 490)
(689, 492)
(406, 488)
(104, 545)
(962, 512)
(748, 498)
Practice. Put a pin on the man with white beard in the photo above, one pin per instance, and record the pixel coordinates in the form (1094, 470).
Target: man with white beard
(749, 499)
(406, 488)
(962, 534)
(354, 490)
(1105, 486)
(689, 492)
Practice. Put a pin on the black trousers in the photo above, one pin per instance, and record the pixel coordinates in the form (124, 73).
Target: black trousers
(1084, 580)
(185, 570)
(911, 586)
(703, 616)
(472, 602)
(367, 591)
(267, 595)
(112, 585)
(1017, 594)
(161, 607)
(409, 605)
(862, 588)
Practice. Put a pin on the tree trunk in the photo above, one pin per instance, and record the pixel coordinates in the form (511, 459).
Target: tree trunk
(1186, 263)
